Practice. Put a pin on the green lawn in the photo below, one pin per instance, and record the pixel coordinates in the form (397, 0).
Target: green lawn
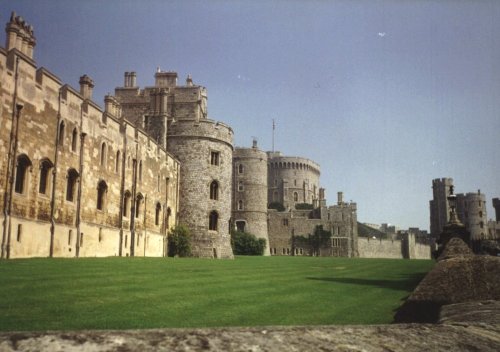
(126, 293)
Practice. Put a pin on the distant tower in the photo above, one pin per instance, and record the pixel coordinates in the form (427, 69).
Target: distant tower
(439, 208)
(471, 210)
(292, 180)
(496, 205)
(250, 192)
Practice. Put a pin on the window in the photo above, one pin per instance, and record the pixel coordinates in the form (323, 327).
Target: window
(480, 214)
(295, 182)
(23, 163)
(138, 202)
(45, 167)
(285, 222)
(140, 170)
(102, 189)
(61, 133)
(72, 177)
(158, 186)
(19, 232)
(214, 158)
(126, 204)
(117, 162)
(74, 140)
(241, 168)
(240, 205)
(295, 197)
(103, 154)
(157, 214)
(212, 221)
(240, 225)
(214, 190)
(70, 235)
(240, 186)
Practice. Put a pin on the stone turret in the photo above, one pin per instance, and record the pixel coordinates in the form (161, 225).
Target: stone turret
(20, 36)
(250, 192)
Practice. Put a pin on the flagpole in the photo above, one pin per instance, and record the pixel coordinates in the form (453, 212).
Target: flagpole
(274, 126)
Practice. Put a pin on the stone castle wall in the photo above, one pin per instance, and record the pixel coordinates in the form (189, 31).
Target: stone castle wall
(397, 249)
(250, 192)
(61, 133)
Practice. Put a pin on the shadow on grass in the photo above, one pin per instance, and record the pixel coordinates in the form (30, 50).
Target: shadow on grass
(407, 283)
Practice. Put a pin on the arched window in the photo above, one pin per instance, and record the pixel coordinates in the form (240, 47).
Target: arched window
(157, 214)
(240, 186)
(214, 190)
(72, 177)
(126, 204)
(45, 166)
(212, 221)
(295, 197)
(74, 140)
(103, 154)
(140, 170)
(240, 205)
(102, 190)
(61, 133)
(23, 164)
(241, 168)
(117, 162)
(138, 203)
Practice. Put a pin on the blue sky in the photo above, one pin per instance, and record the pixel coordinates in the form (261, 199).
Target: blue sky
(384, 95)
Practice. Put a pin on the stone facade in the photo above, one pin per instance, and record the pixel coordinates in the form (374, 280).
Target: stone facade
(76, 180)
(250, 192)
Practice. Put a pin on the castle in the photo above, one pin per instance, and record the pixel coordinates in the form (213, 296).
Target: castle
(80, 181)
(470, 210)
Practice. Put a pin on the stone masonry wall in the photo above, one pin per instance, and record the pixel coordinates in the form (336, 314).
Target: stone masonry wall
(61, 128)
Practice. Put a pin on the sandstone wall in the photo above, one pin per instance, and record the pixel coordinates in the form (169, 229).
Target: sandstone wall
(60, 128)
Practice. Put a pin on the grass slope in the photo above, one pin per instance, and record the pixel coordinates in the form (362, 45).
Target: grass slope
(126, 293)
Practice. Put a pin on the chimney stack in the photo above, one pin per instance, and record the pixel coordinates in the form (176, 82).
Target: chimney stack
(86, 87)
(340, 198)
(20, 35)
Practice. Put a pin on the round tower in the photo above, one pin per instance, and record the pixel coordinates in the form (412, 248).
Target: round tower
(205, 149)
(475, 215)
(292, 180)
(250, 192)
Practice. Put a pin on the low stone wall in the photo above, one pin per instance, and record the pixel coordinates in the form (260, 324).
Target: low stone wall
(455, 333)
(376, 248)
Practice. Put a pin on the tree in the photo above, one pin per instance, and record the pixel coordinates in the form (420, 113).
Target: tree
(247, 244)
(179, 242)
(276, 205)
(320, 238)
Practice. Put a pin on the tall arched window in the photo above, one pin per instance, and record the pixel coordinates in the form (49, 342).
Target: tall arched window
(117, 162)
(212, 221)
(157, 214)
(241, 168)
(240, 186)
(23, 164)
(138, 203)
(240, 205)
(214, 190)
(103, 154)
(61, 133)
(74, 140)
(72, 177)
(295, 197)
(45, 166)
(102, 190)
(126, 204)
